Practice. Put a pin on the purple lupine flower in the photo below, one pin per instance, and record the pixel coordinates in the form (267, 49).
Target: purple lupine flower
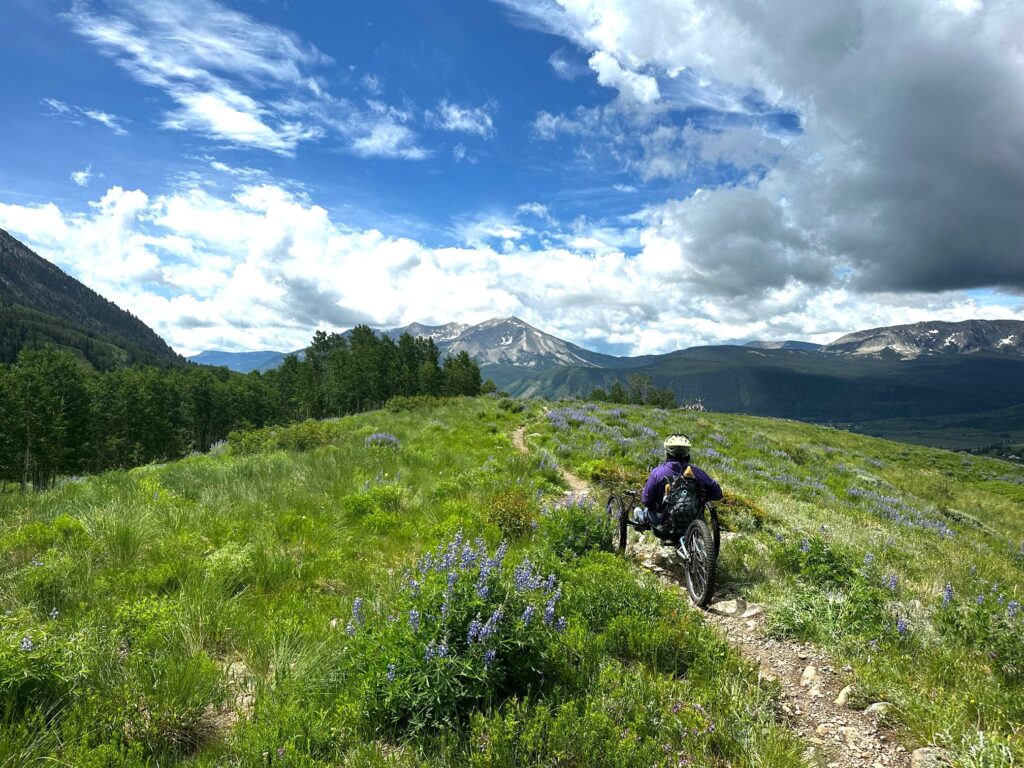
(528, 614)
(491, 626)
(902, 626)
(1011, 609)
(350, 629)
(482, 589)
(947, 594)
(442, 651)
(26, 644)
(561, 624)
(444, 610)
(979, 599)
(549, 583)
(452, 578)
(805, 546)
(499, 554)
(489, 655)
(357, 610)
(892, 582)
(391, 672)
(414, 620)
(869, 560)
(428, 654)
(474, 631)
(524, 577)
(384, 439)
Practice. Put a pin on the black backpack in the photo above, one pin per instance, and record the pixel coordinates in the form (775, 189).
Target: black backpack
(684, 503)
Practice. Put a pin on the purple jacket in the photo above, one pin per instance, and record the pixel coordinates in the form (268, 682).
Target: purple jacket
(654, 490)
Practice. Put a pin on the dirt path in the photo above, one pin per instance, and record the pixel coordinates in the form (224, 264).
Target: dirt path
(814, 693)
(578, 485)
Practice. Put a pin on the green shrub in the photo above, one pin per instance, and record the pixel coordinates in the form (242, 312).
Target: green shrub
(37, 670)
(232, 567)
(810, 613)
(603, 587)
(513, 510)
(815, 560)
(738, 513)
(576, 526)
(145, 624)
(511, 405)
(303, 436)
(987, 620)
(386, 499)
(55, 581)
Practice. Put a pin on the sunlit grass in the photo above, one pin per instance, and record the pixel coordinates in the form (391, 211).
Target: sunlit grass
(877, 513)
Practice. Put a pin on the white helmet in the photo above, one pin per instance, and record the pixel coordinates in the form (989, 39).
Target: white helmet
(677, 441)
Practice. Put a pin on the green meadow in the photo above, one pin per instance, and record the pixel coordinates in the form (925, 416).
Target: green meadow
(403, 587)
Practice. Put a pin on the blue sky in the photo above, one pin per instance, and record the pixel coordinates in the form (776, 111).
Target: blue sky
(634, 175)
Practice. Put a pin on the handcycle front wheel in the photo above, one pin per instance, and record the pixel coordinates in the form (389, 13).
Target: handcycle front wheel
(616, 510)
(700, 570)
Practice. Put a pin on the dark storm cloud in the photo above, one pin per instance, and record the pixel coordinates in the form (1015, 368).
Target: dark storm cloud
(909, 171)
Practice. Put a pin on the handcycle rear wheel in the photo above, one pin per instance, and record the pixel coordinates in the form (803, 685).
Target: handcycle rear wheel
(700, 570)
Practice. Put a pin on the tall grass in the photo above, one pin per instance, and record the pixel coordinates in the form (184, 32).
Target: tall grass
(202, 612)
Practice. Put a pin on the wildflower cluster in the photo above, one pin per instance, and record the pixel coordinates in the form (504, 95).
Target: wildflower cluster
(382, 440)
(899, 511)
(471, 619)
(566, 418)
(986, 618)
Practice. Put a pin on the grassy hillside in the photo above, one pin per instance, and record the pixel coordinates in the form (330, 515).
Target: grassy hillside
(337, 593)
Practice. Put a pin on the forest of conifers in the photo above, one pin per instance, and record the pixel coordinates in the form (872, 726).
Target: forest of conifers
(59, 418)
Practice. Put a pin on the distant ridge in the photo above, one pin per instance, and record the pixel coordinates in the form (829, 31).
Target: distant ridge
(806, 346)
(935, 337)
(240, 362)
(40, 305)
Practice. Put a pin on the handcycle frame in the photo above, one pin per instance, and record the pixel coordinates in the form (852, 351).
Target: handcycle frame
(700, 536)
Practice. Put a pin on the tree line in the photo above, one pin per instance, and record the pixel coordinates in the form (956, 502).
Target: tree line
(58, 417)
(638, 391)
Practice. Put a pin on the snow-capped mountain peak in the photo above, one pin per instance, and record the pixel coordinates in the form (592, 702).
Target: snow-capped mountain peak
(934, 338)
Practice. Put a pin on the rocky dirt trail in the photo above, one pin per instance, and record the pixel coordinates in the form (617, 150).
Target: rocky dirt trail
(816, 695)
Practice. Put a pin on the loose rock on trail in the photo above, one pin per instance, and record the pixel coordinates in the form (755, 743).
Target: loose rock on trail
(815, 695)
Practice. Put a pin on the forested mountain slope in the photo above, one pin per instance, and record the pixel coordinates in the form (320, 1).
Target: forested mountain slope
(41, 304)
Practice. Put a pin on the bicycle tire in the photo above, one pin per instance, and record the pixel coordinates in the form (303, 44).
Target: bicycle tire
(700, 571)
(623, 528)
(613, 509)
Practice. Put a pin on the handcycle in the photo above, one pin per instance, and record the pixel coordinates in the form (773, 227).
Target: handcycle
(695, 549)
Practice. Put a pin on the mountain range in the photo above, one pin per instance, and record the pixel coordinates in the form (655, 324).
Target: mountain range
(951, 384)
(510, 342)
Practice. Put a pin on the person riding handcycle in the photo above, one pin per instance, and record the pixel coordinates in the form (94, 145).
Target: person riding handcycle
(676, 510)
(657, 492)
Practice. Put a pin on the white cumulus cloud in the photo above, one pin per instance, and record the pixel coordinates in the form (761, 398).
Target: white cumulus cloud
(264, 267)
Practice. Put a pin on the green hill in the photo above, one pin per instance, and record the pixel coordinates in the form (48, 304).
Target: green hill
(336, 593)
(41, 305)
